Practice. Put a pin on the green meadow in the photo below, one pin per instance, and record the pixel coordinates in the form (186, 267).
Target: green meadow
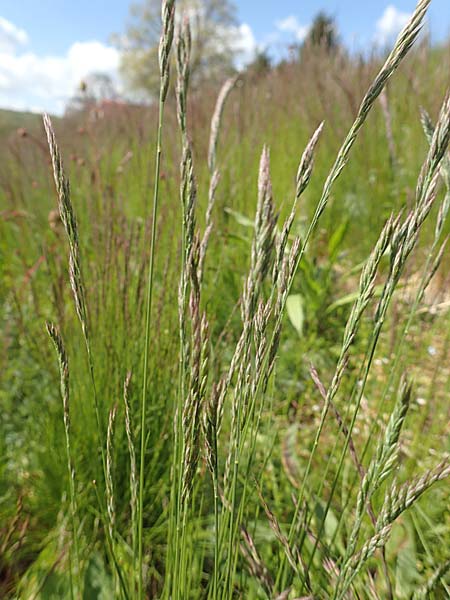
(225, 367)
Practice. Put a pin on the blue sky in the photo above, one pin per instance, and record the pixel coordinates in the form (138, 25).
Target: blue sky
(47, 47)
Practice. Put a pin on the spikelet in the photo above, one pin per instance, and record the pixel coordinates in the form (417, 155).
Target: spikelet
(70, 224)
(193, 406)
(183, 47)
(216, 120)
(165, 45)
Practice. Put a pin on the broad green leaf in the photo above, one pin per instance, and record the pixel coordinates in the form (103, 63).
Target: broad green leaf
(295, 311)
(240, 218)
(406, 572)
(336, 240)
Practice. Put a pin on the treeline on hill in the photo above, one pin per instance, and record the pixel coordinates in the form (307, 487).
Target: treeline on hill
(277, 462)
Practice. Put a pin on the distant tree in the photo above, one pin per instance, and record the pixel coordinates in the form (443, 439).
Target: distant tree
(214, 31)
(92, 89)
(260, 65)
(323, 33)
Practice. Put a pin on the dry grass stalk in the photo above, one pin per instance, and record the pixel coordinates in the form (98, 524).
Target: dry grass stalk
(214, 182)
(384, 101)
(12, 528)
(216, 120)
(214, 172)
(109, 474)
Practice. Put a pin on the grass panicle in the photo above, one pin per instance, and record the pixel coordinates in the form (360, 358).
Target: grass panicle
(216, 121)
(63, 363)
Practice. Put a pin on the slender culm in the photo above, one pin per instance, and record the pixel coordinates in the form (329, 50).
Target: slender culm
(165, 45)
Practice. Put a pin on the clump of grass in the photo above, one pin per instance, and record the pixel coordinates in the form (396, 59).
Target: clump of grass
(196, 524)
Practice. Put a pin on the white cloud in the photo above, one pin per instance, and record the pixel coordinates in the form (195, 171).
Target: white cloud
(29, 81)
(46, 82)
(240, 39)
(292, 25)
(390, 24)
(245, 45)
(11, 36)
